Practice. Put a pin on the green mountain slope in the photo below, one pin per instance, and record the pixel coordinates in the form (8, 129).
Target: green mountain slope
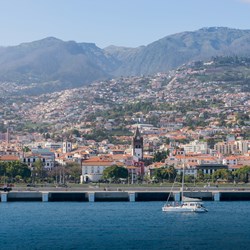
(52, 60)
(175, 50)
(51, 64)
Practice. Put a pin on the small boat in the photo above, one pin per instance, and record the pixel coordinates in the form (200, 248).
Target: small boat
(191, 206)
(187, 204)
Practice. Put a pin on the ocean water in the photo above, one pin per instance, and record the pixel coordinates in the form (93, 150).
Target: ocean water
(122, 225)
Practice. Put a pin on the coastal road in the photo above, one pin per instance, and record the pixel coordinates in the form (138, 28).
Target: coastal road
(130, 188)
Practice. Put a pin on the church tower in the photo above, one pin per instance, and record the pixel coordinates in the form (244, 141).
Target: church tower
(67, 147)
(137, 145)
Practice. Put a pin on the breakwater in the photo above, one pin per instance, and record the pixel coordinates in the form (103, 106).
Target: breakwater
(130, 196)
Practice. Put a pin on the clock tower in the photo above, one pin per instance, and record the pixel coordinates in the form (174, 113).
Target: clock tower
(137, 145)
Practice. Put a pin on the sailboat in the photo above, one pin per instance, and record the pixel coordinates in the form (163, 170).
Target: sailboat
(186, 205)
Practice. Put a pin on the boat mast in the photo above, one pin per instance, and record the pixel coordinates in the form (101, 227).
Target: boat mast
(182, 184)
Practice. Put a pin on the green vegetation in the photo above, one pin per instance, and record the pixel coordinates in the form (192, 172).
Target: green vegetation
(14, 171)
(222, 174)
(242, 174)
(17, 172)
(31, 127)
(160, 156)
(167, 173)
(114, 173)
(110, 135)
(122, 110)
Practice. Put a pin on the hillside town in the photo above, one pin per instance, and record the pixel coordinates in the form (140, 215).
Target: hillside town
(204, 125)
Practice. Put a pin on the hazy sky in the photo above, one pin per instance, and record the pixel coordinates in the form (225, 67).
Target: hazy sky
(128, 23)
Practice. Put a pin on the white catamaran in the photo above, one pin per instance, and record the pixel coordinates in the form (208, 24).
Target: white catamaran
(186, 204)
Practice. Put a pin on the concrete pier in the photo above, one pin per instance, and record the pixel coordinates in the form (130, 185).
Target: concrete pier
(4, 197)
(24, 196)
(45, 197)
(177, 196)
(91, 197)
(132, 197)
(122, 196)
(217, 196)
(111, 196)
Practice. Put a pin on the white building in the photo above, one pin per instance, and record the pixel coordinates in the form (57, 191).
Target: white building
(196, 147)
(230, 160)
(92, 169)
(47, 157)
(243, 146)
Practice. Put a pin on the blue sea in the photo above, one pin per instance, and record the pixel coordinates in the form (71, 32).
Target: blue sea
(122, 225)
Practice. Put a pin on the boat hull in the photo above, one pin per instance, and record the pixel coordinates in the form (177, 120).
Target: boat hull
(185, 208)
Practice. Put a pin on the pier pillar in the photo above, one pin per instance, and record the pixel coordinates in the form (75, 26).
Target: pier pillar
(45, 197)
(132, 197)
(4, 197)
(217, 196)
(91, 197)
(177, 196)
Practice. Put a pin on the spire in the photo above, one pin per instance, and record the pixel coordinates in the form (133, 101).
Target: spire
(137, 133)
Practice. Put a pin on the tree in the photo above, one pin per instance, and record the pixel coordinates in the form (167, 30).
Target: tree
(23, 170)
(160, 155)
(242, 173)
(115, 172)
(160, 174)
(38, 169)
(15, 169)
(165, 173)
(211, 142)
(74, 171)
(46, 136)
(200, 175)
(76, 133)
(172, 172)
(223, 174)
(3, 168)
(26, 149)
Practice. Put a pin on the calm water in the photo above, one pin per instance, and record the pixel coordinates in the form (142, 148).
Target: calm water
(122, 225)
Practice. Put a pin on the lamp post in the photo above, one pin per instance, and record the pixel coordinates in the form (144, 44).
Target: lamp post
(56, 173)
(32, 173)
(132, 176)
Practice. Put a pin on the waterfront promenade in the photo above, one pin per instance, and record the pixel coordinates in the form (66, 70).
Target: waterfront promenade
(131, 187)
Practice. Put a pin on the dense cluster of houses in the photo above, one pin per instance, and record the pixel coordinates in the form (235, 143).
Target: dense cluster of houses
(231, 154)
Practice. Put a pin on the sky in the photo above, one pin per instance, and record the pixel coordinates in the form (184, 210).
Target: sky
(129, 23)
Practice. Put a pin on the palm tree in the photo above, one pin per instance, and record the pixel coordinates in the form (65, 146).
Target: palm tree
(242, 173)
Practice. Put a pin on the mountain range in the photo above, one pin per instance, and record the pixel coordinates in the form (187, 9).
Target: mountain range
(52, 64)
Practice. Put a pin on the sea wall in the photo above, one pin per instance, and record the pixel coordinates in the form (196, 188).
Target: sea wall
(112, 196)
